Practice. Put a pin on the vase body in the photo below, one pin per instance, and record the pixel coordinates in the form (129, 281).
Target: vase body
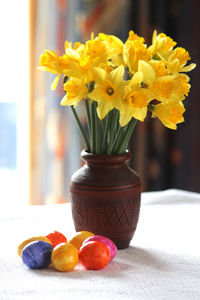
(105, 197)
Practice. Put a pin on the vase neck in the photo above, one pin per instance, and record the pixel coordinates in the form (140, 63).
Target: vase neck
(105, 159)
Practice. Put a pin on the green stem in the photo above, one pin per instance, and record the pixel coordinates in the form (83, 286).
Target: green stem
(112, 131)
(127, 136)
(97, 131)
(117, 140)
(88, 114)
(106, 131)
(93, 127)
(103, 124)
(81, 129)
(118, 125)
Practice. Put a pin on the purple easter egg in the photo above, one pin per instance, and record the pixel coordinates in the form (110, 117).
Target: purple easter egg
(111, 246)
(37, 254)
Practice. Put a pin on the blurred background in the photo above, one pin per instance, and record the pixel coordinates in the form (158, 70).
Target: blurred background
(39, 142)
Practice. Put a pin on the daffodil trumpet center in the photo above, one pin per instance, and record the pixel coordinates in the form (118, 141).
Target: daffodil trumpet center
(107, 90)
(137, 99)
(110, 91)
(144, 85)
(90, 85)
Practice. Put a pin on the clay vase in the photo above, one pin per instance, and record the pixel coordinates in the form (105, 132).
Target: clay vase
(105, 197)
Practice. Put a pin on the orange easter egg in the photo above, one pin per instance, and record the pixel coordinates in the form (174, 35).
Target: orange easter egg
(79, 238)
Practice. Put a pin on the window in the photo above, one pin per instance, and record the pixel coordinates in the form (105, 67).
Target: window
(14, 102)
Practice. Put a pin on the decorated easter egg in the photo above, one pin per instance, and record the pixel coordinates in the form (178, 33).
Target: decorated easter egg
(79, 238)
(56, 238)
(37, 254)
(111, 246)
(94, 255)
(32, 239)
(64, 257)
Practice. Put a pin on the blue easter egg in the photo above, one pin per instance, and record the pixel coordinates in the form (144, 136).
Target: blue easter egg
(37, 254)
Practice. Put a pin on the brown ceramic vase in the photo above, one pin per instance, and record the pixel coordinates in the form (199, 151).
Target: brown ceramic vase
(105, 197)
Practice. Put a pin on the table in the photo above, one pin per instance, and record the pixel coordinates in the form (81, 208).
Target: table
(163, 261)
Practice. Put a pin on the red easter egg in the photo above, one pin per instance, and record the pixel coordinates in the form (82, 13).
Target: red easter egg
(94, 255)
(111, 246)
(56, 238)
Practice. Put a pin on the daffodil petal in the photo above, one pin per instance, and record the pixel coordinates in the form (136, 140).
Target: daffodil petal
(154, 36)
(117, 103)
(94, 95)
(48, 69)
(147, 70)
(188, 68)
(103, 109)
(125, 116)
(117, 40)
(117, 75)
(53, 53)
(99, 74)
(170, 114)
(55, 82)
(68, 102)
(72, 54)
(169, 125)
(140, 113)
(136, 80)
(64, 101)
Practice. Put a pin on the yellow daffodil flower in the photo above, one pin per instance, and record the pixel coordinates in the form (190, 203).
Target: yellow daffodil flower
(132, 36)
(114, 47)
(135, 101)
(163, 87)
(76, 90)
(84, 61)
(170, 114)
(108, 90)
(181, 84)
(148, 72)
(149, 77)
(66, 64)
(134, 50)
(159, 67)
(171, 88)
(51, 62)
(162, 45)
(158, 87)
(97, 51)
(114, 42)
(85, 67)
(181, 87)
(78, 47)
(177, 61)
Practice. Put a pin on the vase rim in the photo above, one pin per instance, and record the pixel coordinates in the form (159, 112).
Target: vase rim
(102, 158)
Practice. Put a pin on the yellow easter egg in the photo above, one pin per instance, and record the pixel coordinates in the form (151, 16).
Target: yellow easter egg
(32, 239)
(64, 257)
(79, 238)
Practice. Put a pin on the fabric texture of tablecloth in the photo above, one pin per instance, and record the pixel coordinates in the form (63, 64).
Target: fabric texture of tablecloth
(163, 261)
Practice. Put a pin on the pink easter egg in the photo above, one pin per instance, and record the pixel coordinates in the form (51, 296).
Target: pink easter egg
(111, 246)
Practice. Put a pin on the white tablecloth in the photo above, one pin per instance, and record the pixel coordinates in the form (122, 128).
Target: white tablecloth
(163, 261)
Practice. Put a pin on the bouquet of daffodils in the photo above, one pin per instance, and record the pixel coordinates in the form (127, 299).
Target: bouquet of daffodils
(119, 83)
